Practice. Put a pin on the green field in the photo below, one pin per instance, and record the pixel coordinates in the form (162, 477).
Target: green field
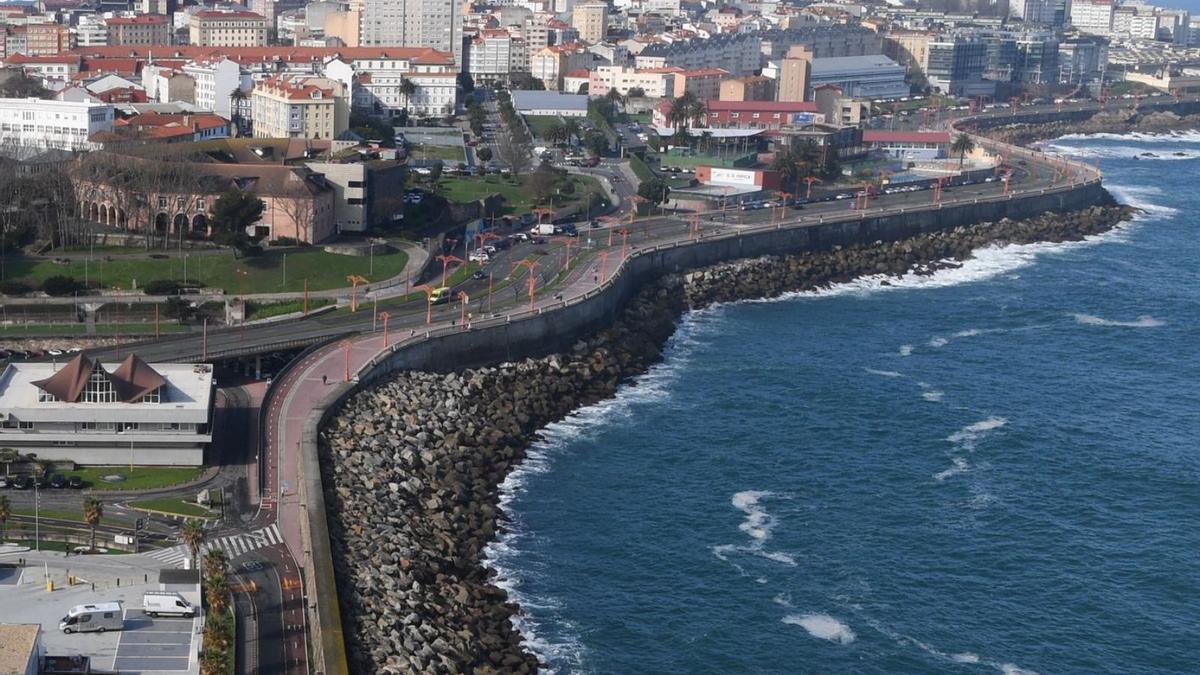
(176, 506)
(468, 189)
(538, 124)
(141, 478)
(263, 274)
(73, 516)
(443, 152)
(643, 171)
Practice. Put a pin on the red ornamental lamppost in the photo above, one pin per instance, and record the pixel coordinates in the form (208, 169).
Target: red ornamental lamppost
(385, 316)
(531, 266)
(428, 302)
(603, 267)
(624, 242)
(810, 180)
(693, 226)
(463, 300)
(354, 280)
(446, 260)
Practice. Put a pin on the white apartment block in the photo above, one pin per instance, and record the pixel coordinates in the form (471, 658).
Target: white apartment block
(62, 125)
(227, 28)
(215, 81)
(495, 54)
(375, 82)
(1092, 16)
(108, 413)
(656, 83)
(300, 107)
(91, 31)
(411, 23)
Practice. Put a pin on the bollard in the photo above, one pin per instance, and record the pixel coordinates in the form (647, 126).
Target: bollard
(49, 585)
(118, 582)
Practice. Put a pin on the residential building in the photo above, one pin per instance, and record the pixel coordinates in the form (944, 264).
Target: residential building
(653, 82)
(300, 107)
(215, 81)
(1038, 12)
(167, 84)
(436, 24)
(704, 83)
(1082, 60)
(956, 66)
(98, 413)
(91, 31)
(46, 39)
(64, 125)
(839, 109)
(908, 145)
(494, 55)
(366, 194)
(227, 28)
(910, 48)
(871, 77)
(20, 648)
(795, 71)
(823, 40)
(1094, 17)
(60, 68)
(172, 128)
(751, 88)
(740, 54)
(549, 103)
(591, 20)
(759, 114)
(375, 78)
(144, 29)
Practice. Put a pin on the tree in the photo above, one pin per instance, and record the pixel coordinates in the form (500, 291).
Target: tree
(61, 286)
(5, 512)
(596, 143)
(961, 146)
(15, 83)
(484, 154)
(655, 191)
(406, 89)
(513, 152)
(233, 213)
(298, 204)
(93, 511)
(615, 99)
(193, 536)
(637, 92)
(572, 129)
(8, 456)
(237, 98)
(555, 133)
(435, 173)
(177, 308)
(541, 182)
(216, 580)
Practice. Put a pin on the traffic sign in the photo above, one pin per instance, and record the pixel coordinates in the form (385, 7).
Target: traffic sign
(141, 523)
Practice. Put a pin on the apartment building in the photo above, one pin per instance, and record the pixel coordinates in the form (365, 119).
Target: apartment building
(1094, 17)
(436, 24)
(90, 31)
(494, 55)
(653, 82)
(705, 83)
(375, 78)
(214, 83)
(591, 20)
(227, 28)
(46, 39)
(145, 29)
(739, 54)
(300, 107)
(752, 88)
(62, 125)
(955, 66)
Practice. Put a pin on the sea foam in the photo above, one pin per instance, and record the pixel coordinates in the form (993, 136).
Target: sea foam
(971, 433)
(822, 626)
(1143, 321)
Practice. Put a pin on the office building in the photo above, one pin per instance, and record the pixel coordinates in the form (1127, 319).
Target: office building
(62, 125)
(591, 20)
(227, 28)
(871, 77)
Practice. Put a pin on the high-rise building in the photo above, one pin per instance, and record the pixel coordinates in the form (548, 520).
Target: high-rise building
(1047, 12)
(1092, 16)
(1082, 60)
(411, 23)
(591, 20)
(794, 72)
(955, 66)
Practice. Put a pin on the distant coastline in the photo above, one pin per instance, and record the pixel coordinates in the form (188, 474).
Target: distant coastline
(1103, 122)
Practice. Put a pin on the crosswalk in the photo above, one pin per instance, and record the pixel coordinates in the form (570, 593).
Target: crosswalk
(234, 545)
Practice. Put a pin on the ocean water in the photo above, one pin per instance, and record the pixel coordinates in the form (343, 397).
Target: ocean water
(994, 469)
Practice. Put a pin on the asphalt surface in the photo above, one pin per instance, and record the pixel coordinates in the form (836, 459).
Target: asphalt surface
(154, 644)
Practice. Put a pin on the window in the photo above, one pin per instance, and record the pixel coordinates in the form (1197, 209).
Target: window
(162, 202)
(25, 425)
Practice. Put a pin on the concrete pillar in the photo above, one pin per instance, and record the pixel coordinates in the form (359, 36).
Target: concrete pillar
(257, 367)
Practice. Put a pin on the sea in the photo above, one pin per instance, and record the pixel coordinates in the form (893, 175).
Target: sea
(992, 469)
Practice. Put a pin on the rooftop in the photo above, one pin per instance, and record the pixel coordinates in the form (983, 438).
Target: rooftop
(882, 136)
(17, 642)
(526, 100)
(187, 386)
(845, 64)
(761, 106)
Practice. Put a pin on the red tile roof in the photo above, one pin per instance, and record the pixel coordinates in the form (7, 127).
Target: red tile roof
(422, 55)
(760, 106)
(142, 19)
(703, 72)
(220, 14)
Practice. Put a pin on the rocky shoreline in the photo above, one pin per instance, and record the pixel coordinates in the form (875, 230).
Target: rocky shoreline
(411, 468)
(1104, 122)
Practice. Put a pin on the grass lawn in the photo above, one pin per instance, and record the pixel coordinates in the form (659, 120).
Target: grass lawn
(443, 152)
(538, 124)
(142, 477)
(263, 274)
(24, 330)
(256, 310)
(472, 188)
(51, 545)
(643, 171)
(176, 506)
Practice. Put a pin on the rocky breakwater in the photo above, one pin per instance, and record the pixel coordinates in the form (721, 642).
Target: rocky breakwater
(771, 276)
(1104, 122)
(411, 471)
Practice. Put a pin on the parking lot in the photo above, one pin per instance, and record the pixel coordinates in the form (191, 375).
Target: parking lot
(154, 644)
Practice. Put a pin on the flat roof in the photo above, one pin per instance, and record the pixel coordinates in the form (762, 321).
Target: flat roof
(18, 642)
(543, 100)
(846, 64)
(188, 387)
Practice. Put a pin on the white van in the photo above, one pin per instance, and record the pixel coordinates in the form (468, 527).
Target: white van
(166, 603)
(88, 618)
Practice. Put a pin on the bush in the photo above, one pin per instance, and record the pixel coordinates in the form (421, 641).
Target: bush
(252, 251)
(288, 241)
(161, 287)
(61, 285)
(13, 287)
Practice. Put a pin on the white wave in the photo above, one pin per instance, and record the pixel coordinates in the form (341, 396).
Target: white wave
(906, 350)
(971, 433)
(960, 657)
(883, 373)
(970, 332)
(783, 598)
(822, 626)
(779, 557)
(758, 523)
(965, 657)
(933, 395)
(1139, 196)
(936, 342)
(960, 466)
(1143, 321)
(1010, 669)
(1121, 152)
(1142, 137)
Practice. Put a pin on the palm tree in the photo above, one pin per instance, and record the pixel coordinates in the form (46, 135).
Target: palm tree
(572, 129)
(5, 512)
(961, 146)
(8, 456)
(407, 88)
(216, 580)
(697, 112)
(615, 98)
(93, 511)
(236, 98)
(192, 534)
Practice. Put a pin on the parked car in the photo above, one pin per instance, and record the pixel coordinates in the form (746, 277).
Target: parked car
(22, 483)
(479, 275)
(58, 482)
(3, 482)
(75, 483)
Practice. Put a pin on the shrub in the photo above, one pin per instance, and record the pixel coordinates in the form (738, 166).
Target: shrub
(14, 287)
(61, 285)
(161, 287)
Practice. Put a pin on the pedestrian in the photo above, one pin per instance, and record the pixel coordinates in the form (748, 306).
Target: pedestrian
(324, 379)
